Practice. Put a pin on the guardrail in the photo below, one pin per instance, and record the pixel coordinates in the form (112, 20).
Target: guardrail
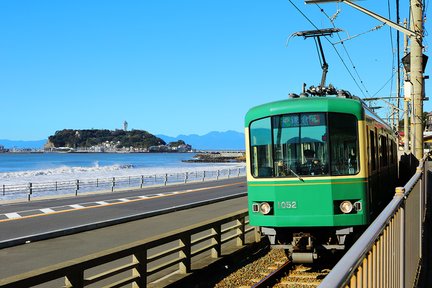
(175, 252)
(388, 253)
(32, 190)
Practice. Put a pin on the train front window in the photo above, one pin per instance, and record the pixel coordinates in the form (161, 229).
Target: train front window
(298, 145)
(261, 148)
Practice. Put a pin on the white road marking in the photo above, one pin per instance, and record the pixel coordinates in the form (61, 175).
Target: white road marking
(47, 210)
(13, 215)
(102, 203)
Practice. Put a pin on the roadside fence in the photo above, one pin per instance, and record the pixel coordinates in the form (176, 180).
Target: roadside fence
(175, 253)
(33, 190)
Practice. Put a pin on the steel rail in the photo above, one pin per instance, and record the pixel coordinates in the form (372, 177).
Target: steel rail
(271, 279)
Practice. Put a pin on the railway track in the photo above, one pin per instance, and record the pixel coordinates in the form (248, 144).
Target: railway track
(302, 276)
(275, 270)
(289, 275)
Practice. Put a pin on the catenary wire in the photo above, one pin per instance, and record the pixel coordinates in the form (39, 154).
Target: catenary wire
(337, 52)
(385, 84)
(392, 47)
(346, 51)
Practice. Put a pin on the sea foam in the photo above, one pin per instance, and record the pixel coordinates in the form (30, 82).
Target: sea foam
(66, 173)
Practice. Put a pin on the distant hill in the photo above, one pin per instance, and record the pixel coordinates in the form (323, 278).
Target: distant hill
(20, 144)
(94, 137)
(229, 140)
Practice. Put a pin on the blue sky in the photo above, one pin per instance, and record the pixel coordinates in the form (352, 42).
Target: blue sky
(176, 67)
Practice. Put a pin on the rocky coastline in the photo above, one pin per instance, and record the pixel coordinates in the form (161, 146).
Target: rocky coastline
(218, 157)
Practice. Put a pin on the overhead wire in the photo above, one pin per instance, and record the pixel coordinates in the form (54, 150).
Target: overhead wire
(337, 52)
(360, 34)
(346, 51)
(385, 84)
(351, 37)
(304, 15)
(392, 46)
(332, 19)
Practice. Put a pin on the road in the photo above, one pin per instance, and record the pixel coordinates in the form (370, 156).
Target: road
(37, 255)
(30, 221)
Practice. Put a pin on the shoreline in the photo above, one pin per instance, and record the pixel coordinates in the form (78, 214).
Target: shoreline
(60, 167)
(218, 157)
(36, 186)
(91, 152)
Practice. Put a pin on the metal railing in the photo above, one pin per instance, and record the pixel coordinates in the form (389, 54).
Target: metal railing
(175, 252)
(79, 186)
(388, 254)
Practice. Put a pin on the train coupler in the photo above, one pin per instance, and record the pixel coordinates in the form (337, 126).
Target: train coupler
(302, 241)
(303, 250)
(304, 257)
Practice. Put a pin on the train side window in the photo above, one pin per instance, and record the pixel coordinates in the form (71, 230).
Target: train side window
(372, 150)
(344, 156)
(383, 151)
(391, 152)
(261, 148)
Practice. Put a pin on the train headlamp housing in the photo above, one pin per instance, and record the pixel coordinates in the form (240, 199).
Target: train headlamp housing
(346, 207)
(265, 208)
(358, 206)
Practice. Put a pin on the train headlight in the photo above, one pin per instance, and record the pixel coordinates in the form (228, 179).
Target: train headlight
(346, 207)
(265, 208)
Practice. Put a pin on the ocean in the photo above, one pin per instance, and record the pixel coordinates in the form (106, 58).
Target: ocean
(47, 168)
(36, 167)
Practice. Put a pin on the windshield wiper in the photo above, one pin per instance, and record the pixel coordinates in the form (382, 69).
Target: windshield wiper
(295, 174)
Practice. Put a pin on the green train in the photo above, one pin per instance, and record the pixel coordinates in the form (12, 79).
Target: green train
(319, 170)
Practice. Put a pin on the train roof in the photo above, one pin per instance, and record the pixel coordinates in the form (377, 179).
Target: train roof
(307, 104)
(342, 104)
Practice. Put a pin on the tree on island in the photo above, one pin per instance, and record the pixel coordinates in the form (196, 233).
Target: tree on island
(176, 143)
(93, 137)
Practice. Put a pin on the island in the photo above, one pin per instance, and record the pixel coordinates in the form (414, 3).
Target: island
(104, 140)
(218, 157)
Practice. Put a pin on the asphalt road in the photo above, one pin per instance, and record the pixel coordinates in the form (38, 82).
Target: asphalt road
(37, 255)
(37, 220)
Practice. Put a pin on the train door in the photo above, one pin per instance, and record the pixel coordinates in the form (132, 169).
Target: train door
(374, 172)
(383, 170)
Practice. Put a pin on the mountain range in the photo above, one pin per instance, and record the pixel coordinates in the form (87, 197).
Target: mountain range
(228, 140)
(22, 144)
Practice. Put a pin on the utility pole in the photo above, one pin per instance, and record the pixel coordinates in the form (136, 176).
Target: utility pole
(416, 58)
(407, 99)
(398, 85)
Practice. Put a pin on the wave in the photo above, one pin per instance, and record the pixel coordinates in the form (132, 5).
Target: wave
(66, 173)
(63, 172)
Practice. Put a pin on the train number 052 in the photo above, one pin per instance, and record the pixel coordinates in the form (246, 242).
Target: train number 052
(287, 204)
